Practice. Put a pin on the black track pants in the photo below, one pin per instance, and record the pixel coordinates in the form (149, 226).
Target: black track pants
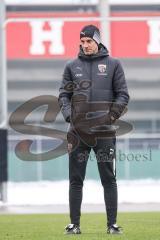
(105, 155)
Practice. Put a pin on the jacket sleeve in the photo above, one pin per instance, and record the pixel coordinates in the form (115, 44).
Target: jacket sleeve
(121, 96)
(65, 93)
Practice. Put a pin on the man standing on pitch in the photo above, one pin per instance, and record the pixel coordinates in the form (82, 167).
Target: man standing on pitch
(93, 95)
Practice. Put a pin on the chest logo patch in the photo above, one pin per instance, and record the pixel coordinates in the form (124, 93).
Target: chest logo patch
(102, 68)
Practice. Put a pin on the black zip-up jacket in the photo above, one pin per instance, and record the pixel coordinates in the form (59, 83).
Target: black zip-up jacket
(99, 78)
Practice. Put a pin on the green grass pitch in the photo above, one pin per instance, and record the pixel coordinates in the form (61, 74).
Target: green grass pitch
(137, 226)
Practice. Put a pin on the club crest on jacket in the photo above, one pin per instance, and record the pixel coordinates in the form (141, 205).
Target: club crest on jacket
(102, 68)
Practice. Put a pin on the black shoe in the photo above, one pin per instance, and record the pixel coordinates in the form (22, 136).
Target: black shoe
(114, 229)
(72, 229)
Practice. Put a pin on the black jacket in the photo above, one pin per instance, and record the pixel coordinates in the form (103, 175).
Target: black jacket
(99, 78)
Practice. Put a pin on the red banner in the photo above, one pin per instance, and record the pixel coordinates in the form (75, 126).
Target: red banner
(59, 39)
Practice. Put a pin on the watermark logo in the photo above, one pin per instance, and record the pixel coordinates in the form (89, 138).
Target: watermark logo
(86, 128)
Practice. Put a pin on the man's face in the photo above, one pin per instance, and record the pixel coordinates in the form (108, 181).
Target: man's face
(89, 46)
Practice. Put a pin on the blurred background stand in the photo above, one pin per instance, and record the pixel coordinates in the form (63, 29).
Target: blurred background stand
(3, 108)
